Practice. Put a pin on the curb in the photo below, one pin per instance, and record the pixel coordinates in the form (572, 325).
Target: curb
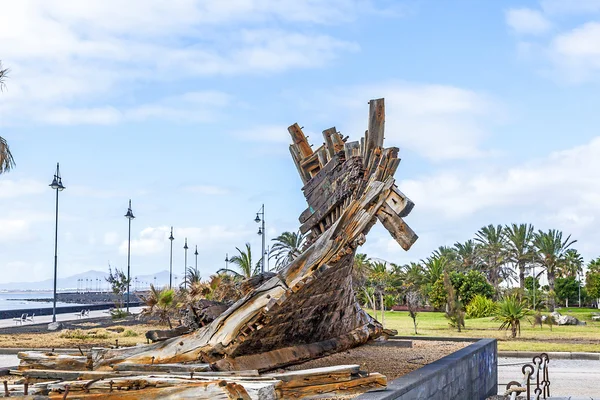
(552, 355)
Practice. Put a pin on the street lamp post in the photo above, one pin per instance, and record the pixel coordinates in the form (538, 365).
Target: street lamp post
(185, 248)
(171, 238)
(261, 231)
(59, 187)
(196, 254)
(129, 216)
(226, 263)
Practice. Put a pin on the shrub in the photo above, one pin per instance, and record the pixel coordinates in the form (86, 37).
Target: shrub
(481, 307)
(130, 333)
(118, 313)
(511, 310)
(85, 334)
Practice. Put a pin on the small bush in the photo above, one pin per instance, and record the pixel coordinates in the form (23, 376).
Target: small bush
(130, 333)
(118, 313)
(85, 334)
(481, 307)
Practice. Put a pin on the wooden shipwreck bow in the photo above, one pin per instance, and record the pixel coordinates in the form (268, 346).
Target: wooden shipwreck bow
(308, 309)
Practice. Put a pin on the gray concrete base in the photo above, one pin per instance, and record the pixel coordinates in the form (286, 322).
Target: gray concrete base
(467, 374)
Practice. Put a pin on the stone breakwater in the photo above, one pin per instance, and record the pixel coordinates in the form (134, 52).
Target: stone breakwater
(87, 298)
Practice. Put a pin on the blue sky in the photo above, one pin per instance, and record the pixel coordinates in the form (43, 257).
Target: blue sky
(183, 106)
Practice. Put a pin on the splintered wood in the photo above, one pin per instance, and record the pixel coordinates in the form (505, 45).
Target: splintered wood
(305, 311)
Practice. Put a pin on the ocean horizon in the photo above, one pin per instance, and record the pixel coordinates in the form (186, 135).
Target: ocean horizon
(18, 300)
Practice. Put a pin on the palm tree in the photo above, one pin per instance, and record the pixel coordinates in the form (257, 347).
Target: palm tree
(467, 257)
(287, 248)
(572, 265)
(519, 248)
(492, 244)
(7, 161)
(160, 304)
(414, 274)
(551, 252)
(380, 276)
(244, 262)
(192, 276)
(511, 310)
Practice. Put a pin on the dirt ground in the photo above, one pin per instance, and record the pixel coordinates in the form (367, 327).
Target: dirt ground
(86, 333)
(388, 360)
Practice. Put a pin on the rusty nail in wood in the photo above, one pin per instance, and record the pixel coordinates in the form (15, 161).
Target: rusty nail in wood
(192, 375)
(110, 387)
(79, 347)
(66, 392)
(117, 343)
(25, 388)
(152, 363)
(6, 394)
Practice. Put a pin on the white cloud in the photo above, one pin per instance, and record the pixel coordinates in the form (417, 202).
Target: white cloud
(15, 230)
(111, 238)
(560, 186)
(440, 122)
(84, 56)
(577, 52)
(11, 189)
(570, 6)
(527, 21)
(155, 240)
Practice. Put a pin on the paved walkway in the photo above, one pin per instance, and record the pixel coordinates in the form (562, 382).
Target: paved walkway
(45, 319)
(577, 378)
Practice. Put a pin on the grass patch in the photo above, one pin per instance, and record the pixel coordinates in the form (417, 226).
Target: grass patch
(130, 333)
(560, 338)
(71, 338)
(86, 334)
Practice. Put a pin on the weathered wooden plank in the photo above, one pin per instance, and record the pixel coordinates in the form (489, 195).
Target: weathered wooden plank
(398, 202)
(160, 335)
(329, 142)
(172, 368)
(73, 375)
(33, 359)
(297, 158)
(310, 165)
(323, 156)
(300, 140)
(354, 386)
(352, 149)
(399, 230)
(315, 376)
(374, 138)
(338, 143)
(292, 355)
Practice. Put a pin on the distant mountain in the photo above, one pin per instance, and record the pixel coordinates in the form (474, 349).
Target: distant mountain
(91, 280)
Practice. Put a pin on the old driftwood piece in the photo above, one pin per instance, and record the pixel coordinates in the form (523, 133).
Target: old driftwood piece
(308, 309)
(326, 382)
(160, 335)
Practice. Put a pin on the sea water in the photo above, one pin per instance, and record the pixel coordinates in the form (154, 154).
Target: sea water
(18, 300)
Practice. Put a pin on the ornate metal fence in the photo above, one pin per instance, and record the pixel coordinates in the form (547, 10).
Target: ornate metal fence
(535, 383)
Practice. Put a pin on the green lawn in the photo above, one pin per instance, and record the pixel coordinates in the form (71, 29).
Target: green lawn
(561, 338)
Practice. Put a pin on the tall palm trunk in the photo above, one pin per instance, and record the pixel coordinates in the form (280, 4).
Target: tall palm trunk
(522, 277)
(551, 282)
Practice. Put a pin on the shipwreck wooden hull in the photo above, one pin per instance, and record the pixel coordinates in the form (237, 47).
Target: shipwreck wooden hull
(309, 308)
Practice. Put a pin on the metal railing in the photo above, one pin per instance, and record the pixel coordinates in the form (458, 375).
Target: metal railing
(535, 379)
